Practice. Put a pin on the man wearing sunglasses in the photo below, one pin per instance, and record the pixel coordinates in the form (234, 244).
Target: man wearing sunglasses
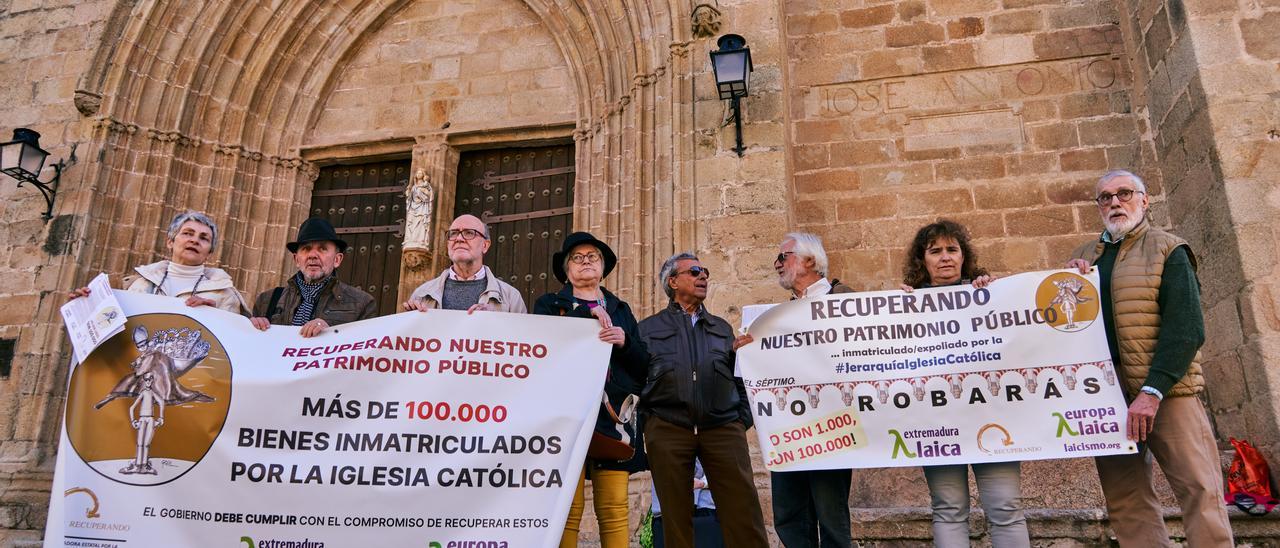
(467, 284)
(1151, 309)
(695, 408)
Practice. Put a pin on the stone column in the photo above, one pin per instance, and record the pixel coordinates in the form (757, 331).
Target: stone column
(1220, 167)
(438, 162)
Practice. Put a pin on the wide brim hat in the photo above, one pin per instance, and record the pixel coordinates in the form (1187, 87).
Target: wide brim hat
(316, 229)
(574, 240)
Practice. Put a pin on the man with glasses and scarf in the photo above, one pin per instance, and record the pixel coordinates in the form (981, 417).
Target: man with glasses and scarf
(467, 284)
(695, 408)
(1151, 307)
(313, 298)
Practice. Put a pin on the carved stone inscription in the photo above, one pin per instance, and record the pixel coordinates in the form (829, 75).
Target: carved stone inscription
(981, 127)
(963, 90)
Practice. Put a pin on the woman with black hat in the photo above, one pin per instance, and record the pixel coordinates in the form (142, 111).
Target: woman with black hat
(581, 264)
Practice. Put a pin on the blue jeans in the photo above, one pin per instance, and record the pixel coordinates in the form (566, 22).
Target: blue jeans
(811, 509)
(999, 486)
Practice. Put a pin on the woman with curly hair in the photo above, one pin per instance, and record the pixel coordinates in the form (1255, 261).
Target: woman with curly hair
(941, 255)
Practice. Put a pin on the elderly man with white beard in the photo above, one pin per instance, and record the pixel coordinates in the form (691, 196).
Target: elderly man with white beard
(1151, 309)
(810, 508)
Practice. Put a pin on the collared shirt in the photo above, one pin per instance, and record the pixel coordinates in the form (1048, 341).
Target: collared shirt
(453, 275)
(817, 289)
(1107, 238)
(696, 315)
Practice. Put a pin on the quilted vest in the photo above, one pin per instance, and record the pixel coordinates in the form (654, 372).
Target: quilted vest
(1135, 288)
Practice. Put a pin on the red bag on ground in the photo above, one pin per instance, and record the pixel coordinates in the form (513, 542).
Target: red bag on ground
(1249, 480)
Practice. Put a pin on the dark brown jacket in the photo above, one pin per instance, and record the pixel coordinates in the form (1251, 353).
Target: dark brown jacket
(690, 381)
(339, 303)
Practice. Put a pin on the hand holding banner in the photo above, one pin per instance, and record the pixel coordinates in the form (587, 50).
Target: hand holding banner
(1016, 371)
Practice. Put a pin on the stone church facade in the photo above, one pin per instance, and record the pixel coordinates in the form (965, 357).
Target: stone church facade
(866, 119)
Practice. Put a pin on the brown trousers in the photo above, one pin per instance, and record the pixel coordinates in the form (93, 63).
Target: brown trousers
(727, 462)
(1182, 442)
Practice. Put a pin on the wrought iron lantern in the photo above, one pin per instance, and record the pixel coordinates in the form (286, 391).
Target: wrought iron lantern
(23, 159)
(732, 67)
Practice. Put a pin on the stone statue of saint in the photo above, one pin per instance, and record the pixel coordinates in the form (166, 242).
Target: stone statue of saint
(420, 200)
(706, 21)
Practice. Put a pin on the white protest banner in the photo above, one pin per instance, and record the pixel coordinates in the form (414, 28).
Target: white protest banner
(191, 428)
(1016, 371)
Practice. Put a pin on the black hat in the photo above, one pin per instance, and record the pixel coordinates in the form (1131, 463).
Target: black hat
(316, 229)
(574, 240)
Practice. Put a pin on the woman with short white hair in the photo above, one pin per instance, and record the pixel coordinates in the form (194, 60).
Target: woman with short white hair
(191, 238)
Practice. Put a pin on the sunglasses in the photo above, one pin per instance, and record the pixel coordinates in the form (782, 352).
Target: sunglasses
(695, 271)
(782, 257)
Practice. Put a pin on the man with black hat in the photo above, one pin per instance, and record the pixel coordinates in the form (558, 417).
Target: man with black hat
(314, 298)
(467, 284)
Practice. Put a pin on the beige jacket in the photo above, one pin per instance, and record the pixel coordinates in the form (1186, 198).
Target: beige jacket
(1135, 289)
(216, 285)
(499, 294)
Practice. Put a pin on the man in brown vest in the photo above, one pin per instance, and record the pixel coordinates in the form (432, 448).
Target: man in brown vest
(1151, 308)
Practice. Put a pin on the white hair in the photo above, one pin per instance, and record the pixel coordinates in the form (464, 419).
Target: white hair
(669, 267)
(1117, 173)
(199, 217)
(810, 245)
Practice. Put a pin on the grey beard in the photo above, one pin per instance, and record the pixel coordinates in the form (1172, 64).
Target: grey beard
(787, 280)
(1119, 230)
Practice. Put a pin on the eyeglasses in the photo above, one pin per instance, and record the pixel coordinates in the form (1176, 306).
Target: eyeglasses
(782, 257)
(467, 234)
(695, 271)
(585, 258)
(1125, 194)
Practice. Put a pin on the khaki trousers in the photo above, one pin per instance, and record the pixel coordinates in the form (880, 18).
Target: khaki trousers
(727, 462)
(609, 493)
(1182, 442)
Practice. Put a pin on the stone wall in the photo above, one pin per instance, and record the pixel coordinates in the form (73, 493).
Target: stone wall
(439, 65)
(1216, 120)
(999, 115)
(48, 48)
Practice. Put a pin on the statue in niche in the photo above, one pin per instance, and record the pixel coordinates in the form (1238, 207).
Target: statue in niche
(420, 201)
(706, 21)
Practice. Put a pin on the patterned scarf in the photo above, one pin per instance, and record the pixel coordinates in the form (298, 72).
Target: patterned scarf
(310, 295)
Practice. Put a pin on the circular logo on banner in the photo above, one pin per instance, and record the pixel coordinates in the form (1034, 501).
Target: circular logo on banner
(1068, 301)
(999, 438)
(147, 405)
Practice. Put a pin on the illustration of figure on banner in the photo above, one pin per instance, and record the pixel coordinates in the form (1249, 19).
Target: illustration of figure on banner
(1068, 299)
(153, 383)
(146, 424)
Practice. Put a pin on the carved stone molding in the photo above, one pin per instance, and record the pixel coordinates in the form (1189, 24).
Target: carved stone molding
(416, 260)
(169, 136)
(680, 49)
(87, 102)
(706, 21)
